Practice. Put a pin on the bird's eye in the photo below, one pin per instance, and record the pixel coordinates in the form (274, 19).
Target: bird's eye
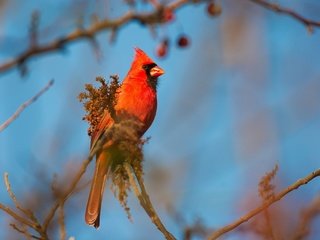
(148, 67)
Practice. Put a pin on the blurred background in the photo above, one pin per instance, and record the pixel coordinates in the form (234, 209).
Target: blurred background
(241, 97)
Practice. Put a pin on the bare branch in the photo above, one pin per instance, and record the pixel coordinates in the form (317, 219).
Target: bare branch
(30, 220)
(24, 232)
(27, 212)
(145, 202)
(62, 223)
(149, 18)
(309, 23)
(17, 216)
(68, 193)
(24, 106)
(73, 187)
(265, 205)
(42, 229)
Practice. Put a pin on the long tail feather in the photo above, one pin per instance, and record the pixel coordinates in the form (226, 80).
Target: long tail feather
(92, 215)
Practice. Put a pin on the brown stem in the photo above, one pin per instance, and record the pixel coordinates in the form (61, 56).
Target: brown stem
(145, 202)
(62, 223)
(265, 205)
(309, 23)
(24, 106)
(73, 187)
(149, 18)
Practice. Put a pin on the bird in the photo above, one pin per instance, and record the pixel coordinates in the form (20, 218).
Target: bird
(137, 97)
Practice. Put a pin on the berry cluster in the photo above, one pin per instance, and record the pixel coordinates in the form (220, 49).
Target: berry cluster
(182, 41)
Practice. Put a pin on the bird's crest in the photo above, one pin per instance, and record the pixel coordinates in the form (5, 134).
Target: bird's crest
(141, 57)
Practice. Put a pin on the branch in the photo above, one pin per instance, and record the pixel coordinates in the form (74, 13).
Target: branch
(145, 201)
(29, 221)
(25, 105)
(24, 232)
(309, 23)
(72, 188)
(265, 205)
(16, 216)
(62, 223)
(149, 18)
(27, 212)
(60, 202)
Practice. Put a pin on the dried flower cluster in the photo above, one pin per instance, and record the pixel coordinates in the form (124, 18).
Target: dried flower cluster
(97, 100)
(266, 188)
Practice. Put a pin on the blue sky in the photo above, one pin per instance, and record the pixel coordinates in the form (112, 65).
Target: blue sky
(243, 97)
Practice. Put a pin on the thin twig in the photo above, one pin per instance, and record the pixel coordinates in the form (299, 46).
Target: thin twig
(149, 205)
(68, 193)
(42, 229)
(25, 105)
(27, 212)
(73, 187)
(309, 23)
(30, 220)
(149, 18)
(145, 201)
(24, 232)
(265, 205)
(62, 223)
(17, 217)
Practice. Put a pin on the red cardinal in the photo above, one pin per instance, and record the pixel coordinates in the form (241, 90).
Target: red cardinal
(137, 97)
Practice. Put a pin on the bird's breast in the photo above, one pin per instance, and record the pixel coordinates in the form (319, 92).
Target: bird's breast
(139, 101)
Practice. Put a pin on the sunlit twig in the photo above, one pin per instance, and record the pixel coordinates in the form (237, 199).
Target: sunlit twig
(73, 186)
(145, 201)
(29, 220)
(309, 23)
(62, 223)
(265, 205)
(24, 106)
(149, 18)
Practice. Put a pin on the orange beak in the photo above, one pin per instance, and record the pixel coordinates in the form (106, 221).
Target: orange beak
(156, 71)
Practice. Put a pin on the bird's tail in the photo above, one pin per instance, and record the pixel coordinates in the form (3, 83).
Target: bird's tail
(92, 215)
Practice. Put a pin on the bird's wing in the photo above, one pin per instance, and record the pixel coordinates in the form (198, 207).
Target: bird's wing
(104, 123)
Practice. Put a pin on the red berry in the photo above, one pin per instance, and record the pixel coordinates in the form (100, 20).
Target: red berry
(183, 41)
(214, 9)
(162, 50)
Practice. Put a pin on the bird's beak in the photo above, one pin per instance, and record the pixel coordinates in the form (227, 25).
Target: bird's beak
(156, 71)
